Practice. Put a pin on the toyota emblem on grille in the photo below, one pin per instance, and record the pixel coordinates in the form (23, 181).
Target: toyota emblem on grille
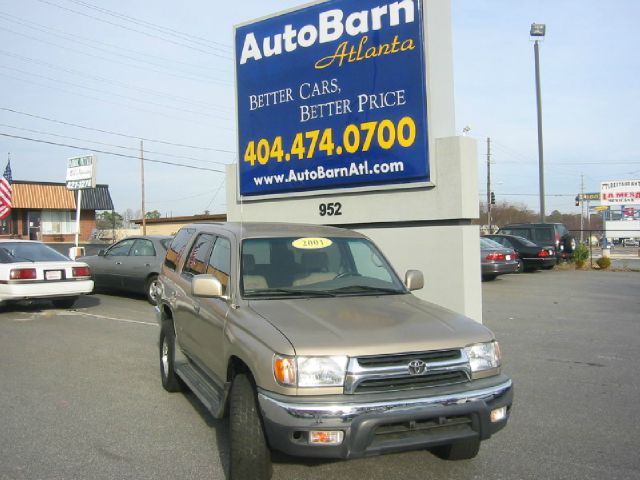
(417, 367)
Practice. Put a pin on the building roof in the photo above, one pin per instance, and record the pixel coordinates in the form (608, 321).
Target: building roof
(55, 196)
(219, 217)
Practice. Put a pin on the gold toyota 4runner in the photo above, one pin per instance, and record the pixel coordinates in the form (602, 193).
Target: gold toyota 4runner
(310, 342)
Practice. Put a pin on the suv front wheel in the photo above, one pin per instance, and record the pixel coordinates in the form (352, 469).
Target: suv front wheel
(250, 455)
(170, 380)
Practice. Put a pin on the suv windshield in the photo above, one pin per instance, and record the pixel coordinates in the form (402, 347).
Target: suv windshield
(318, 267)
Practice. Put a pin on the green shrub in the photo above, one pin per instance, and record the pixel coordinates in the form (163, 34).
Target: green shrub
(604, 262)
(581, 255)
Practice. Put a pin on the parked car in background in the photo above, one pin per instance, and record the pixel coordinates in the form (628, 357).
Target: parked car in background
(32, 270)
(630, 242)
(556, 235)
(496, 259)
(131, 265)
(530, 256)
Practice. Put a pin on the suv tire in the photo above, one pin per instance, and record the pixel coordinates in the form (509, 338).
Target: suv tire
(170, 381)
(458, 451)
(569, 243)
(250, 455)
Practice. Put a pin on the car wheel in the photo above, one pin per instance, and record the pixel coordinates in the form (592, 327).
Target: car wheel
(458, 451)
(152, 289)
(64, 302)
(170, 381)
(520, 268)
(488, 278)
(250, 455)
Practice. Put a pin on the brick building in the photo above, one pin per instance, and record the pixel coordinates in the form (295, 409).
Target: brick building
(47, 211)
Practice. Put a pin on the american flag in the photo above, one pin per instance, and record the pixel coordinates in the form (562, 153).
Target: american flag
(5, 192)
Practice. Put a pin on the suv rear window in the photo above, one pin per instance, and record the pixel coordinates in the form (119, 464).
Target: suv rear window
(543, 234)
(520, 232)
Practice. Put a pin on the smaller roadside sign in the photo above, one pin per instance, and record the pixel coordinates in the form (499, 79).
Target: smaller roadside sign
(601, 208)
(589, 196)
(81, 172)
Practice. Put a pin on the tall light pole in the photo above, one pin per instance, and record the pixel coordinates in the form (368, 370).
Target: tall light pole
(537, 34)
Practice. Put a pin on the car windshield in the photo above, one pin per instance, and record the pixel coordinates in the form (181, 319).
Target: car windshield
(315, 267)
(12, 252)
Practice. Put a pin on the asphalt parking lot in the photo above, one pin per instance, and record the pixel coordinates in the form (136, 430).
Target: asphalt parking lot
(81, 395)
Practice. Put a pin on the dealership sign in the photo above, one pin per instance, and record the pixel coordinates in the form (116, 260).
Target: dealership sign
(332, 96)
(81, 172)
(620, 192)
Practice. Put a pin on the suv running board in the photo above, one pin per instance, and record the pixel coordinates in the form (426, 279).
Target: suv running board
(209, 394)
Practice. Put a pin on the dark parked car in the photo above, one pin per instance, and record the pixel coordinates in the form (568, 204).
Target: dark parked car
(131, 265)
(543, 234)
(496, 259)
(530, 256)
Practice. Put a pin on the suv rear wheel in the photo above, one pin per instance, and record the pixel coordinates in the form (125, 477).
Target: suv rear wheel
(250, 455)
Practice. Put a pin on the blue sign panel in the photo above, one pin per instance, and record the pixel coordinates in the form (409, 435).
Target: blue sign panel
(332, 95)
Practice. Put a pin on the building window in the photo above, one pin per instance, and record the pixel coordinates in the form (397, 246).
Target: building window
(58, 222)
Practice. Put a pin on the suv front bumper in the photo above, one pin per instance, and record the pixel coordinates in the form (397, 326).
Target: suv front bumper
(385, 425)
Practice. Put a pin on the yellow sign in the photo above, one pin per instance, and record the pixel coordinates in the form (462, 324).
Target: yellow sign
(309, 243)
(601, 207)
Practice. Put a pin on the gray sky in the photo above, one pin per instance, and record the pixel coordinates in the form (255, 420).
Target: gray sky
(163, 70)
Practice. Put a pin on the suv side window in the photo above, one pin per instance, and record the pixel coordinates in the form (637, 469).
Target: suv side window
(197, 261)
(220, 262)
(177, 246)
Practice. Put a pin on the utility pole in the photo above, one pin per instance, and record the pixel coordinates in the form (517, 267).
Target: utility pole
(489, 184)
(581, 207)
(144, 220)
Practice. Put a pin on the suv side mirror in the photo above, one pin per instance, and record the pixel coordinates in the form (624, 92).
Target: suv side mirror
(414, 280)
(206, 286)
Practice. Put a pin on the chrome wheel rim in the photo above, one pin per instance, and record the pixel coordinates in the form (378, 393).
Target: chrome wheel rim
(164, 357)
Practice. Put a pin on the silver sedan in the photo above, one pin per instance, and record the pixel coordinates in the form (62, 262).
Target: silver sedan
(131, 265)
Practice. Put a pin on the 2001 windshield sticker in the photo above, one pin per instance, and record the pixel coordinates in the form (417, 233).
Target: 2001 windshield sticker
(332, 95)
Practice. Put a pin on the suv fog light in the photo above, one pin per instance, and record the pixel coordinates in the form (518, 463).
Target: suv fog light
(498, 414)
(325, 437)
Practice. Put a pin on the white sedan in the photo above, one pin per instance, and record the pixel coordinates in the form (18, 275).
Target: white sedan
(33, 270)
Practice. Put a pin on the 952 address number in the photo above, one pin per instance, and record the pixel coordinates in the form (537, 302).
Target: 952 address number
(330, 209)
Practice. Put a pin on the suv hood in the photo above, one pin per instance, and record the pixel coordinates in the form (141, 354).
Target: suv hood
(368, 325)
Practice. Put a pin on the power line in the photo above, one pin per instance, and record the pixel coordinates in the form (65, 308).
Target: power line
(104, 92)
(76, 147)
(114, 133)
(202, 79)
(114, 82)
(75, 38)
(185, 36)
(133, 29)
(40, 132)
(130, 107)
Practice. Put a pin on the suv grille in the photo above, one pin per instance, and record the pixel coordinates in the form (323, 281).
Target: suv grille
(389, 373)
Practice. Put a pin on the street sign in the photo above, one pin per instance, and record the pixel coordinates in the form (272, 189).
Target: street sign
(81, 172)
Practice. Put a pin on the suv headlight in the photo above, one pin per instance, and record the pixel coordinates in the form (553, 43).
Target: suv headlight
(484, 356)
(310, 371)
